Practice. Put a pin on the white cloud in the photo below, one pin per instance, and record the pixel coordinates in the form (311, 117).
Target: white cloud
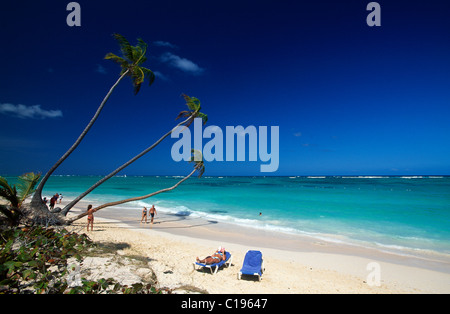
(161, 43)
(25, 112)
(160, 76)
(182, 64)
(100, 69)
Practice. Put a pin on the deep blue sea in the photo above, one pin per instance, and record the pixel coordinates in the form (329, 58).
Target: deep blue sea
(409, 213)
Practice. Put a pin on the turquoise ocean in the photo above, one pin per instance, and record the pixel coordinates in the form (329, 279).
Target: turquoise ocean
(409, 214)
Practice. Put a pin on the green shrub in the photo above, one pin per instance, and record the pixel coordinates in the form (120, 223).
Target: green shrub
(34, 260)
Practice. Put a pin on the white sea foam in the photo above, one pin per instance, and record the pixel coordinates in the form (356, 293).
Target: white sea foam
(294, 209)
(364, 177)
(369, 240)
(273, 226)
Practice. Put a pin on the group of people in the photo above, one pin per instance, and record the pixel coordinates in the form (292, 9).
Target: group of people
(218, 256)
(54, 200)
(152, 213)
(90, 215)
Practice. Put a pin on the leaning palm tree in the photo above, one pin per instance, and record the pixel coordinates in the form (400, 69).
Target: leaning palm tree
(194, 107)
(199, 167)
(16, 196)
(131, 65)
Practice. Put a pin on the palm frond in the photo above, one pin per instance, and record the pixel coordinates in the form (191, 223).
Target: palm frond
(115, 58)
(201, 169)
(148, 75)
(137, 88)
(141, 60)
(121, 61)
(142, 48)
(137, 77)
(142, 44)
(183, 114)
(194, 110)
(137, 54)
(27, 184)
(125, 46)
(8, 192)
(192, 102)
(203, 116)
(197, 158)
(133, 57)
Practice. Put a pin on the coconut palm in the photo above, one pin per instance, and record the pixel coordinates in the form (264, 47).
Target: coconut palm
(199, 167)
(131, 65)
(194, 107)
(16, 196)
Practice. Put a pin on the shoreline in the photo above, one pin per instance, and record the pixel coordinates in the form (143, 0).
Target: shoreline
(344, 267)
(196, 227)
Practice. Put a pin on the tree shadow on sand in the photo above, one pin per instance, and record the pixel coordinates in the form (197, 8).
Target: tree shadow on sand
(183, 216)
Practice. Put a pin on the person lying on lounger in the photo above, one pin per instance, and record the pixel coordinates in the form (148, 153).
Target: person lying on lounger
(218, 256)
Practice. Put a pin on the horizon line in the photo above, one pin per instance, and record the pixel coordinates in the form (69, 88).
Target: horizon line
(368, 176)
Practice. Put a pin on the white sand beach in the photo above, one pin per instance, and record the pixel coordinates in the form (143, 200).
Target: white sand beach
(292, 264)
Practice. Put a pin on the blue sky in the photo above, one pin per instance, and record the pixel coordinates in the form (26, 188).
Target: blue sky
(348, 98)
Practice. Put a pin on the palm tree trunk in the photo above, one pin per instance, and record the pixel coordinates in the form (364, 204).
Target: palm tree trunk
(134, 198)
(37, 197)
(69, 206)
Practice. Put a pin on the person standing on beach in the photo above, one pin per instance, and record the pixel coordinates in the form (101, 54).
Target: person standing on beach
(60, 198)
(90, 219)
(144, 214)
(53, 200)
(152, 213)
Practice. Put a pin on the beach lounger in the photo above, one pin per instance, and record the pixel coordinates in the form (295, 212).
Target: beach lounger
(215, 266)
(253, 264)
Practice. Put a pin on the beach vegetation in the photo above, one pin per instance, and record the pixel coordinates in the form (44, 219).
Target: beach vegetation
(34, 260)
(15, 196)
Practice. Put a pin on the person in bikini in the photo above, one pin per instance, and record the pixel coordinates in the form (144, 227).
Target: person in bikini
(90, 217)
(144, 214)
(218, 256)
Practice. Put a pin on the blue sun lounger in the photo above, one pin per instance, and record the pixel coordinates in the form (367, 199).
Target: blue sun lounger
(253, 264)
(216, 266)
